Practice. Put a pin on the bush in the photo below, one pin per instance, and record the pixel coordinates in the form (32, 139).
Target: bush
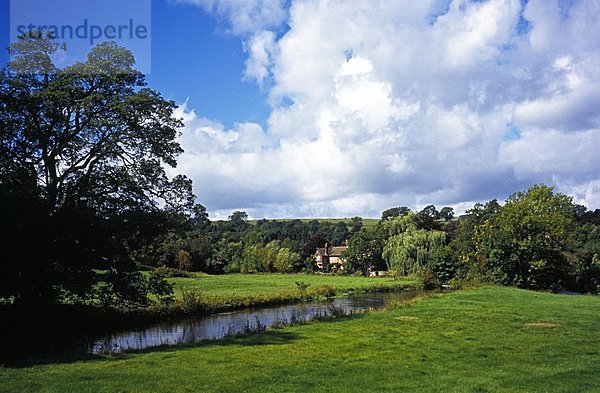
(324, 290)
(169, 272)
(160, 287)
(430, 281)
(191, 301)
(123, 290)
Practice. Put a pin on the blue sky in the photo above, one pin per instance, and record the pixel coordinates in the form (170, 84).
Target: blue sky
(194, 58)
(315, 108)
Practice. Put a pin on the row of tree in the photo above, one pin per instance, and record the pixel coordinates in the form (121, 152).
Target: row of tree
(538, 239)
(236, 245)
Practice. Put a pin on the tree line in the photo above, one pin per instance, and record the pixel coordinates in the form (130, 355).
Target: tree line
(537, 239)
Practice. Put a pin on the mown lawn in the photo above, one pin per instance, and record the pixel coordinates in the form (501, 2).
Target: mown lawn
(232, 285)
(484, 340)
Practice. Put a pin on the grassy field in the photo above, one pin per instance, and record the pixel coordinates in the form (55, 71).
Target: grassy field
(242, 285)
(484, 340)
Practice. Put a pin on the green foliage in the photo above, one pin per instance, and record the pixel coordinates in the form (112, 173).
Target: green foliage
(302, 286)
(428, 218)
(160, 287)
(410, 250)
(271, 257)
(286, 260)
(364, 251)
(447, 213)
(538, 240)
(399, 225)
(444, 265)
(394, 212)
(467, 241)
(585, 272)
(429, 280)
(229, 255)
(239, 221)
(191, 301)
(170, 272)
(340, 233)
(528, 239)
(357, 224)
(82, 182)
(130, 290)
(228, 286)
(123, 290)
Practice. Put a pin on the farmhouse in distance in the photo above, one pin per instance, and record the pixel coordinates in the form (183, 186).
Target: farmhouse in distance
(329, 258)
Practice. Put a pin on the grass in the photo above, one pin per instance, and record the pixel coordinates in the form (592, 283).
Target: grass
(205, 294)
(235, 285)
(485, 340)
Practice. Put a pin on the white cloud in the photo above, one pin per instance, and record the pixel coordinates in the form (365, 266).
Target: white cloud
(245, 16)
(545, 153)
(386, 103)
(587, 194)
(260, 49)
(472, 34)
(575, 110)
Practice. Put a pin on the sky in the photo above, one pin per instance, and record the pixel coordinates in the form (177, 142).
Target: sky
(331, 108)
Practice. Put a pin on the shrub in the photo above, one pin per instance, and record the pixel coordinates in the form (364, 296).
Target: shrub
(430, 281)
(191, 300)
(160, 287)
(302, 287)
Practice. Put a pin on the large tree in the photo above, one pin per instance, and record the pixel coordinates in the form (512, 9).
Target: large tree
(394, 212)
(410, 250)
(364, 251)
(83, 150)
(528, 239)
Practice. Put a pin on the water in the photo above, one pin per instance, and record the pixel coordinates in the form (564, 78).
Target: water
(196, 329)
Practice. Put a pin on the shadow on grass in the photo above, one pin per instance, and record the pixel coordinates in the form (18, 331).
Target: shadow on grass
(24, 351)
(271, 337)
(274, 336)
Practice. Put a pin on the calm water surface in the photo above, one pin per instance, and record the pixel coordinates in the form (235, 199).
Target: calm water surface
(196, 329)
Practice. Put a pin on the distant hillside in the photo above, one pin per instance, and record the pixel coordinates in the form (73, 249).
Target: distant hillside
(367, 222)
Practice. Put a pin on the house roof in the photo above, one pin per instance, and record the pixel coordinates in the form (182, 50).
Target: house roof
(331, 251)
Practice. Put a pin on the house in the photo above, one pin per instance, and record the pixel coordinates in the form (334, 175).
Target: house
(329, 258)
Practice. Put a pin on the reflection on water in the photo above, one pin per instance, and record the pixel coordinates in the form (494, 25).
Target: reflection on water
(196, 329)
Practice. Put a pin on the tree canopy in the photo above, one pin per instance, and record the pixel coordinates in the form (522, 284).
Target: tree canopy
(83, 151)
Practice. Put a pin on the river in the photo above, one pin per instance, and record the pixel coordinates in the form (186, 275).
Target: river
(193, 330)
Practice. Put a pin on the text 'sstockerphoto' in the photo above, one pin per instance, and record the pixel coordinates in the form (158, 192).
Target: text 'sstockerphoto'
(76, 26)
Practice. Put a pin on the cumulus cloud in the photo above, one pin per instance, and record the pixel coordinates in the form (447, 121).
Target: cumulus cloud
(379, 104)
(260, 60)
(245, 17)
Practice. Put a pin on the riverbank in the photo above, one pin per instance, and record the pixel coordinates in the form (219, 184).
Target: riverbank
(45, 335)
(204, 294)
(483, 340)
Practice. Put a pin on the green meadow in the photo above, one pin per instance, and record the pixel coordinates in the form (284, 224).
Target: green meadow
(230, 286)
(203, 293)
(489, 339)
